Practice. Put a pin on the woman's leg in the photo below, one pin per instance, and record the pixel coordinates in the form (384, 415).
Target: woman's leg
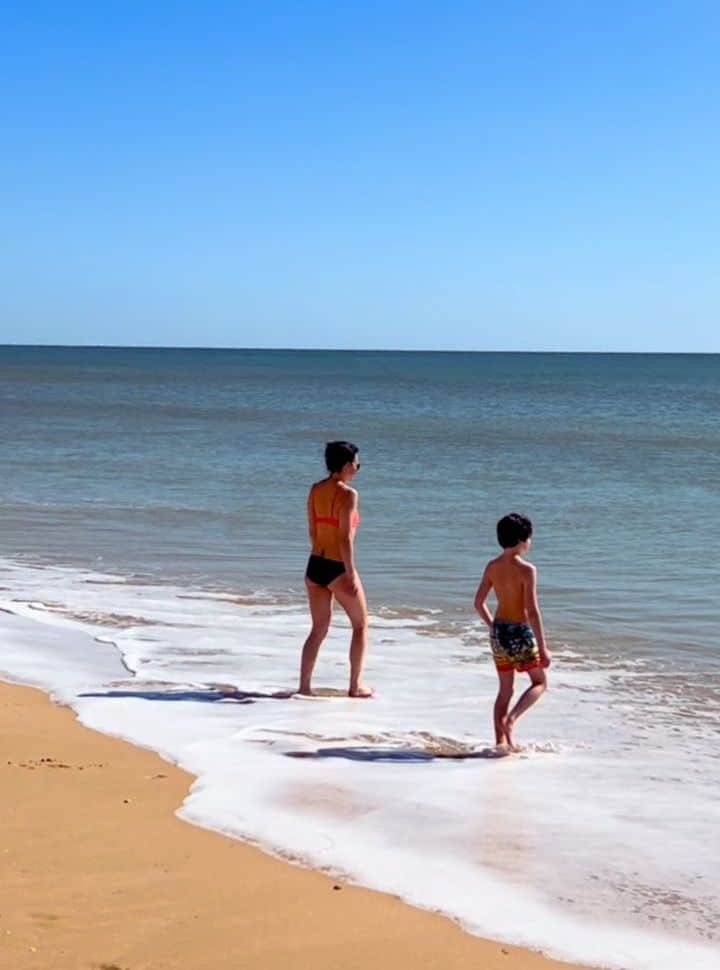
(320, 600)
(356, 608)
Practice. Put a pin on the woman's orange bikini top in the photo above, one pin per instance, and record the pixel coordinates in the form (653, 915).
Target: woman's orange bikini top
(324, 514)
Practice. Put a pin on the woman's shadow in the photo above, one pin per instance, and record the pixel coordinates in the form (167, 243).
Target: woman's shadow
(210, 694)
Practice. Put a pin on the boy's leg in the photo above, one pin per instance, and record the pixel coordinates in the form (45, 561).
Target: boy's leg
(538, 686)
(502, 703)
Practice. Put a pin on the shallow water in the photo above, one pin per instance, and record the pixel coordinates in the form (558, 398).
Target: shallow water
(598, 833)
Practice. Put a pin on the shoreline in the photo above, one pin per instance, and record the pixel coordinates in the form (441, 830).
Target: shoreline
(101, 874)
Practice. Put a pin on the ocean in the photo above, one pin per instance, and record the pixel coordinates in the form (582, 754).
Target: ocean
(152, 549)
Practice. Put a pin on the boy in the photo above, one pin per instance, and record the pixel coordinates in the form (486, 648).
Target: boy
(517, 637)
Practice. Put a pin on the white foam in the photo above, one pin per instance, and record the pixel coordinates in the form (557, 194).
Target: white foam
(593, 845)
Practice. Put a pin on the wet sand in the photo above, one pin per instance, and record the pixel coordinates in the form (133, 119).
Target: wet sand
(97, 873)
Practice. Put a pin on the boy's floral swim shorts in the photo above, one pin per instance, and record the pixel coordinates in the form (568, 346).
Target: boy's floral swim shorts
(513, 646)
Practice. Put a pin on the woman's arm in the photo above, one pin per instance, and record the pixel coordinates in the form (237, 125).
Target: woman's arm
(311, 517)
(348, 509)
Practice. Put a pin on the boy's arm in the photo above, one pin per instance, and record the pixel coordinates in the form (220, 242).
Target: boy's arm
(481, 598)
(534, 615)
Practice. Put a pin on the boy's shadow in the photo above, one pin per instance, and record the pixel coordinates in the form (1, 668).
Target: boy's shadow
(399, 755)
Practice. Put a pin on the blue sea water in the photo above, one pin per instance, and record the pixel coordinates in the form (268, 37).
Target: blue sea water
(195, 464)
(141, 486)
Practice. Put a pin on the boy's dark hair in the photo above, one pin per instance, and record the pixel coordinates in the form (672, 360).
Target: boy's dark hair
(338, 454)
(512, 529)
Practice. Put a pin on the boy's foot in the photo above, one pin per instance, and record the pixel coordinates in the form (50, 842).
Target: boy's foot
(361, 692)
(500, 750)
(508, 728)
(306, 691)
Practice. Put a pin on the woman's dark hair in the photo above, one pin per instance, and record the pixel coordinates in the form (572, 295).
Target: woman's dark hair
(512, 529)
(338, 454)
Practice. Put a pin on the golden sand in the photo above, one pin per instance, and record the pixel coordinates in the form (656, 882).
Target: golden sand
(97, 873)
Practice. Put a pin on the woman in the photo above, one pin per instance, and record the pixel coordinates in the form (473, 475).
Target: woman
(333, 519)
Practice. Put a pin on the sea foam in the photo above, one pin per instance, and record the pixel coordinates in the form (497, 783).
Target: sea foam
(592, 845)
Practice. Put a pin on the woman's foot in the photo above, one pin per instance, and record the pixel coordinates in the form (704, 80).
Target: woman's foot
(361, 692)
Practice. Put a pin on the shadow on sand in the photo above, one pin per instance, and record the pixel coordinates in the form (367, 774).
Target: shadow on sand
(208, 695)
(400, 755)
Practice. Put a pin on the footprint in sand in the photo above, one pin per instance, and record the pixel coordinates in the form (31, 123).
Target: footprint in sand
(46, 918)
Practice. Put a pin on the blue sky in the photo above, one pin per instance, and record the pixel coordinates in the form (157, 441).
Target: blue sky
(481, 176)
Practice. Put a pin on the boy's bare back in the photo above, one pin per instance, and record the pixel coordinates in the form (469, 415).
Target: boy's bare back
(512, 580)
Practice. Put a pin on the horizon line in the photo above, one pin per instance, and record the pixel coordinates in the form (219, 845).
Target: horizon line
(353, 350)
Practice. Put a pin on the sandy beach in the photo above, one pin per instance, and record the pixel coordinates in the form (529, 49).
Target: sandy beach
(97, 873)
